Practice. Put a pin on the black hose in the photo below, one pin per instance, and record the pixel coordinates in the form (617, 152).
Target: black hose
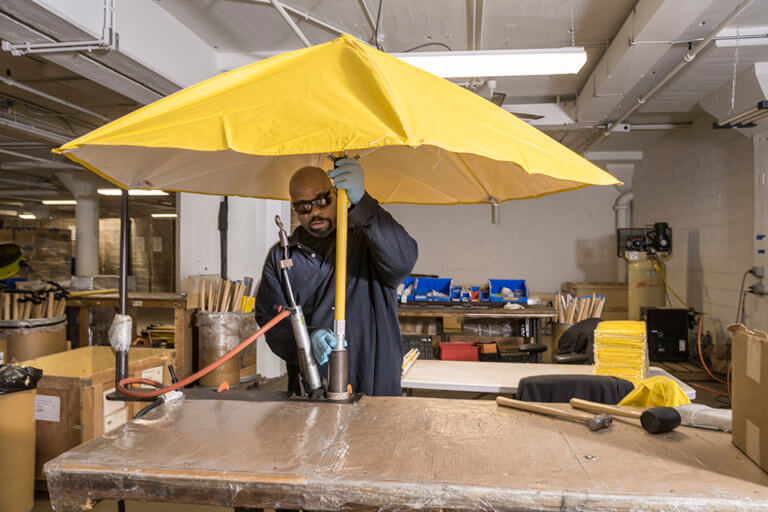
(148, 408)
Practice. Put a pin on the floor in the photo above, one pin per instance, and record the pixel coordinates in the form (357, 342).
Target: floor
(708, 397)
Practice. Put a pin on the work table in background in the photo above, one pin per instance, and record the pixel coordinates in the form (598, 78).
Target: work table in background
(449, 317)
(181, 318)
(400, 453)
(488, 377)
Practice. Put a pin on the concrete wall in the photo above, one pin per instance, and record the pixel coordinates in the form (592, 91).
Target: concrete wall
(757, 307)
(701, 182)
(252, 232)
(562, 237)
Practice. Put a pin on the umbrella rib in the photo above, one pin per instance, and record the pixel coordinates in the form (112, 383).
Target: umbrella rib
(388, 94)
(467, 170)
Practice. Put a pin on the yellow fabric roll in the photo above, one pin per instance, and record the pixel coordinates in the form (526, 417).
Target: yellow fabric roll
(656, 392)
(620, 350)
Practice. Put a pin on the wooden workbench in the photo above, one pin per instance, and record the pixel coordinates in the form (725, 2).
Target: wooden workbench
(401, 453)
(456, 313)
(182, 319)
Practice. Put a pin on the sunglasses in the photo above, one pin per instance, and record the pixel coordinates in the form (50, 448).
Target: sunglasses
(320, 202)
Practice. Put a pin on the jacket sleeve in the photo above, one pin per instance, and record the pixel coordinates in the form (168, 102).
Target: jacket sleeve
(394, 251)
(270, 294)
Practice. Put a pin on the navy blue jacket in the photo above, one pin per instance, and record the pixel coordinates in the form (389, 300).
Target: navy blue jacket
(380, 255)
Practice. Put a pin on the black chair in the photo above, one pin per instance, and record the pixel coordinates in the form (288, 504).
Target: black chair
(576, 344)
(531, 351)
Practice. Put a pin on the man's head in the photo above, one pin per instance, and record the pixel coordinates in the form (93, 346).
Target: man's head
(310, 189)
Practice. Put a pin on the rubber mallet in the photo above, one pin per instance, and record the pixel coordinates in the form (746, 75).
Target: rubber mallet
(593, 422)
(656, 420)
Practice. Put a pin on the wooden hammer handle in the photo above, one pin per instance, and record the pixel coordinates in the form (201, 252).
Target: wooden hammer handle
(586, 405)
(542, 409)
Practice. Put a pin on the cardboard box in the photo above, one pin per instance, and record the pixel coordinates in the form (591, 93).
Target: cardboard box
(17, 451)
(31, 342)
(71, 405)
(4, 351)
(749, 381)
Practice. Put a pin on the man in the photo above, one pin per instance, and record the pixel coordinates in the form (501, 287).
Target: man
(380, 255)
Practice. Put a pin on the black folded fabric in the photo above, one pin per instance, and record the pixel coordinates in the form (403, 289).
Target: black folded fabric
(561, 388)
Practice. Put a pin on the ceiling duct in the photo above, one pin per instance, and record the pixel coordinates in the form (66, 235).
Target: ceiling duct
(751, 88)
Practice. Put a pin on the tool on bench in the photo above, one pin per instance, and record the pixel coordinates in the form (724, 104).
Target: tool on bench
(593, 422)
(310, 374)
(656, 420)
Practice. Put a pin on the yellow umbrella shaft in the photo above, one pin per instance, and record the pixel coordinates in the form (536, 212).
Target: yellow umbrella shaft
(341, 255)
(338, 376)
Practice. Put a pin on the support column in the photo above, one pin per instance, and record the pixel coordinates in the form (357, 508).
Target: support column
(86, 222)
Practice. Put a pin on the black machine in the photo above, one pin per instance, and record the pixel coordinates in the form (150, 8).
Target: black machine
(667, 331)
(656, 239)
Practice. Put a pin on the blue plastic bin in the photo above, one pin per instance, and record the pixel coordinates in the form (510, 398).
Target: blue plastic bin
(408, 281)
(424, 285)
(456, 294)
(516, 285)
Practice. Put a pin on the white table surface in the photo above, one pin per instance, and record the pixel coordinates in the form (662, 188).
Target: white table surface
(487, 377)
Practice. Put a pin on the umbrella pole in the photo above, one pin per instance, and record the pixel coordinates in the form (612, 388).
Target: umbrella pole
(338, 376)
(121, 357)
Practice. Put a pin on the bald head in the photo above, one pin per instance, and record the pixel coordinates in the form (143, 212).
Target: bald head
(311, 184)
(307, 183)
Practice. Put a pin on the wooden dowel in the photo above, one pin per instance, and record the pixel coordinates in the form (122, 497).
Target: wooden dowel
(225, 297)
(49, 304)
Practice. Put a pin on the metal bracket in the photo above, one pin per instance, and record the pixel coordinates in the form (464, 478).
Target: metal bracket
(108, 41)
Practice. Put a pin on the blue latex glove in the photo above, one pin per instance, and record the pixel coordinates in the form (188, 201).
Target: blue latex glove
(323, 340)
(349, 175)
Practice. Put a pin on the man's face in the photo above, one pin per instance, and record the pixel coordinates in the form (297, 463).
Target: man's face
(314, 200)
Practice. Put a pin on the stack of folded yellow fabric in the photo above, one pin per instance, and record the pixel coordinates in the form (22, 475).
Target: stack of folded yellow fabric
(621, 350)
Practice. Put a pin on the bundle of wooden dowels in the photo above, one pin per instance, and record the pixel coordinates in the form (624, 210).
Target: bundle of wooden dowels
(225, 296)
(409, 359)
(25, 305)
(571, 310)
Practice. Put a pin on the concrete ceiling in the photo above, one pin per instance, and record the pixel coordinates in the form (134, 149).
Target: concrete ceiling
(169, 44)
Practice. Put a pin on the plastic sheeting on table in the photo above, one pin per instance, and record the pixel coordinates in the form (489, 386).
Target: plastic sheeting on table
(401, 453)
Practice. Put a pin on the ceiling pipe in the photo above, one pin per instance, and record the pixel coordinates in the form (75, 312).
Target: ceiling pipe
(38, 159)
(34, 131)
(368, 16)
(687, 58)
(309, 18)
(279, 7)
(13, 83)
(36, 166)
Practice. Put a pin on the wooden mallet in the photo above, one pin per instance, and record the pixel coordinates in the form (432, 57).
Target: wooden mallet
(593, 422)
(656, 420)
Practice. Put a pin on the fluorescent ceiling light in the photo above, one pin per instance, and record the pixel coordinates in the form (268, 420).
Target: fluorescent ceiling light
(28, 216)
(12, 213)
(59, 201)
(133, 192)
(490, 63)
(164, 215)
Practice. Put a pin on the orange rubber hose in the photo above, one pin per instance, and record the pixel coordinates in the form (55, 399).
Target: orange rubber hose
(121, 386)
(701, 356)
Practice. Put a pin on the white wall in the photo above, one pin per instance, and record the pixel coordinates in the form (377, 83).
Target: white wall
(252, 232)
(556, 238)
(757, 307)
(700, 180)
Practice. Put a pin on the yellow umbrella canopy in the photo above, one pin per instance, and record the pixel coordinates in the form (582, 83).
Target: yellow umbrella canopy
(421, 139)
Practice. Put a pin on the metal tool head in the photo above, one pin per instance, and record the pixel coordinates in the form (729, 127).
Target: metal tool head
(600, 421)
